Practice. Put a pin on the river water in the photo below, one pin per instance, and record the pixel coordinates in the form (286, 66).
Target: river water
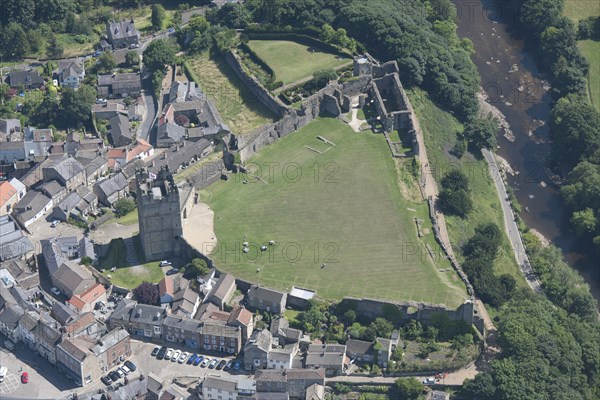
(513, 84)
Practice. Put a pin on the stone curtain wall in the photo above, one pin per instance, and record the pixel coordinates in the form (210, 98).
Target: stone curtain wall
(208, 174)
(253, 85)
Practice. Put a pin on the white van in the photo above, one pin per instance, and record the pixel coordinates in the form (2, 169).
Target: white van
(3, 372)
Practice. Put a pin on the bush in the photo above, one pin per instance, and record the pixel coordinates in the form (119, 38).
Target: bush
(124, 206)
(147, 293)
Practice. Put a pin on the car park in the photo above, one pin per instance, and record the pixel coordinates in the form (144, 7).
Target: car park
(183, 357)
(191, 359)
(198, 360)
(113, 376)
(169, 353)
(227, 366)
(131, 366)
(236, 365)
(155, 351)
(175, 355)
(221, 364)
(55, 291)
(213, 363)
(124, 369)
(205, 362)
(161, 353)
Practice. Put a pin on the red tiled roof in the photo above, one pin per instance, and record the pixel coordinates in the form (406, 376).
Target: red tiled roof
(7, 191)
(93, 293)
(76, 302)
(165, 286)
(241, 315)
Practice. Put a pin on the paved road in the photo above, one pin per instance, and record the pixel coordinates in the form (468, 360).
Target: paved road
(510, 225)
(150, 114)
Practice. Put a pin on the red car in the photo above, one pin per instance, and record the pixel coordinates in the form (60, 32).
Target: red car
(24, 377)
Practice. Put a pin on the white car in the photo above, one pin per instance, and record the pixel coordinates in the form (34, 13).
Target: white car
(55, 223)
(55, 291)
(165, 263)
(119, 372)
(125, 370)
(176, 355)
(183, 357)
(169, 353)
(205, 362)
(428, 381)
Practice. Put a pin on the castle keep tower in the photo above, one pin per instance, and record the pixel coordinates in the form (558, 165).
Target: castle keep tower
(159, 214)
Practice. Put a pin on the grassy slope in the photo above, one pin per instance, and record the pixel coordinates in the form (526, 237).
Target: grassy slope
(358, 208)
(581, 9)
(238, 107)
(292, 61)
(440, 130)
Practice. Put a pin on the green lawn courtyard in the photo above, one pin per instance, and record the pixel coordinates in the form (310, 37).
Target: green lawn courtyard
(292, 61)
(335, 204)
(126, 275)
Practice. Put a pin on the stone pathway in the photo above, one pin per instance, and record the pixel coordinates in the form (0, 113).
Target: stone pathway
(355, 122)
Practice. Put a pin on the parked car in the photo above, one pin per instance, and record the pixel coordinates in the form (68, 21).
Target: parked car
(155, 351)
(169, 353)
(172, 271)
(24, 377)
(114, 376)
(165, 263)
(3, 372)
(213, 363)
(161, 353)
(171, 30)
(429, 381)
(124, 369)
(198, 360)
(205, 362)
(55, 223)
(191, 359)
(236, 365)
(175, 355)
(130, 365)
(221, 364)
(182, 357)
(227, 366)
(119, 372)
(55, 291)
(106, 380)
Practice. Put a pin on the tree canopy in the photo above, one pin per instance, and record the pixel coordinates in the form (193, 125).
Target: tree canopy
(159, 53)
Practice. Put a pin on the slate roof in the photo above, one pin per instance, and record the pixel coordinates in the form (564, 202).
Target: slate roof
(219, 383)
(71, 275)
(186, 324)
(148, 314)
(70, 348)
(326, 355)
(266, 294)
(172, 131)
(174, 157)
(113, 184)
(184, 301)
(58, 251)
(224, 284)
(121, 29)
(51, 188)
(67, 168)
(261, 339)
(11, 314)
(73, 67)
(32, 203)
(62, 313)
(31, 77)
(120, 130)
(109, 340)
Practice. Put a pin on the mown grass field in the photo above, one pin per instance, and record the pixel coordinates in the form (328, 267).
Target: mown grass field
(292, 61)
(342, 207)
(581, 9)
(440, 129)
(591, 50)
(238, 107)
(577, 10)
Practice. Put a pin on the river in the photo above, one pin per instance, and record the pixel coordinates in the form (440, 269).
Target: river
(513, 84)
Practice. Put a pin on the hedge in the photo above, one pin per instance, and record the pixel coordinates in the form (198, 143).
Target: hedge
(257, 59)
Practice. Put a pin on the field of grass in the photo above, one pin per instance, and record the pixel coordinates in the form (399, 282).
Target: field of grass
(238, 107)
(129, 218)
(126, 275)
(591, 50)
(440, 129)
(342, 207)
(292, 61)
(581, 9)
